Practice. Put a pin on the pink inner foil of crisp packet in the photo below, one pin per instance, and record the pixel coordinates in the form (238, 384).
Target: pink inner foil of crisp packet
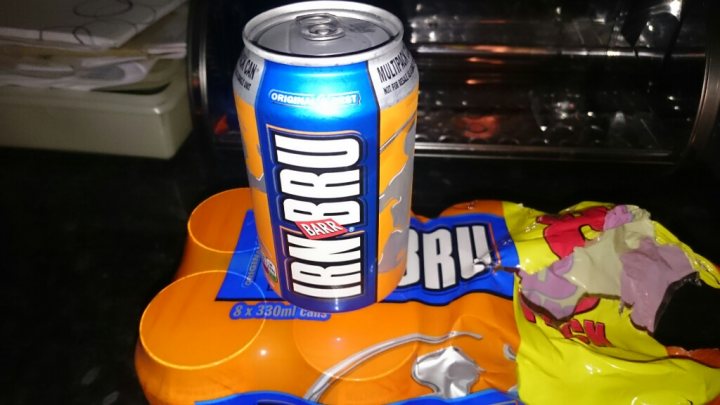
(624, 262)
(647, 273)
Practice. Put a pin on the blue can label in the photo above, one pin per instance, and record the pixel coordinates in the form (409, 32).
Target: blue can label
(320, 177)
(318, 141)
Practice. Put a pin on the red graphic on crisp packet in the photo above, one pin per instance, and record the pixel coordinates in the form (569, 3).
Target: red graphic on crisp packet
(321, 229)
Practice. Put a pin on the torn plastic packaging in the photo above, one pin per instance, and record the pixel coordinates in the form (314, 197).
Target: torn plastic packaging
(608, 313)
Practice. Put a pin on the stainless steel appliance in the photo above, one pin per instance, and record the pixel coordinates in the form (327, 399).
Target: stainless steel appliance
(633, 81)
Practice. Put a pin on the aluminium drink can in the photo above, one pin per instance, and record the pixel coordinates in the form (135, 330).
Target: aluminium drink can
(326, 94)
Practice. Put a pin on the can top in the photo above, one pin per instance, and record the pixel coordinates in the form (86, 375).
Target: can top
(322, 33)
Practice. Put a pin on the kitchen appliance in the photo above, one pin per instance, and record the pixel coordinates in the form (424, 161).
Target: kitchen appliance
(620, 81)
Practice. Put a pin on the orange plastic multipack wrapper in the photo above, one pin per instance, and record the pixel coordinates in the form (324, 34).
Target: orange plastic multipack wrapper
(220, 335)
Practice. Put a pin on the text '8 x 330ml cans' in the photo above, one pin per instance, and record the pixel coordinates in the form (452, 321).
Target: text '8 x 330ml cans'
(326, 94)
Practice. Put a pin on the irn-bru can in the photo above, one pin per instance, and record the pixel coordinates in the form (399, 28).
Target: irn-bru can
(326, 94)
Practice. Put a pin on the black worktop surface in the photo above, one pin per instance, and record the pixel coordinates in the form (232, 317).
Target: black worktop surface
(87, 240)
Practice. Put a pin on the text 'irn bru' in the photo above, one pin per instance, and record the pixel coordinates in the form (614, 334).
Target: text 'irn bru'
(326, 95)
(321, 266)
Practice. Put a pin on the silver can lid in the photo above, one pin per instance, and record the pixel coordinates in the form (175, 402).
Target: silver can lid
(322, 33)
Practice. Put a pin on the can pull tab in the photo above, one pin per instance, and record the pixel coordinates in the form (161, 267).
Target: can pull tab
(320, 27)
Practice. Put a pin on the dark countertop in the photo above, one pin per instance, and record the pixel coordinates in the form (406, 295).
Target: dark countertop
(86, 241)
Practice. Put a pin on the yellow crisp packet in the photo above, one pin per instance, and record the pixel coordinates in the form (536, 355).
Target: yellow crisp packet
(585, 309)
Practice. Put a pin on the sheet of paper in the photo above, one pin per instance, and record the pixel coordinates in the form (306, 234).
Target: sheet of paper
(34, 66)
(78, 24)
